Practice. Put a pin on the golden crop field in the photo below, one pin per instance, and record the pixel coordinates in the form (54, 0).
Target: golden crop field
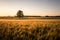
(30, 29)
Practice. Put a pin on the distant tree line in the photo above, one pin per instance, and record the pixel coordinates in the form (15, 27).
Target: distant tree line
(20, 15)
(52, 16)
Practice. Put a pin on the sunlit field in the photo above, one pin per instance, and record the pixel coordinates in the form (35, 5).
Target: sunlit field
(30, 29)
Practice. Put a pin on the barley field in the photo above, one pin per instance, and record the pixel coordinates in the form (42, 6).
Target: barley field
(30, 29)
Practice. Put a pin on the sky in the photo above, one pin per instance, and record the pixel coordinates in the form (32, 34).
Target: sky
(30, 7)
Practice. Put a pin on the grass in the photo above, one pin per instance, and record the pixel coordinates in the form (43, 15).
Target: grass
(34, 29)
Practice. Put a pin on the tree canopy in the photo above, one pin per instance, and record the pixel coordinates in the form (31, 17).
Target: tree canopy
(20, 13)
